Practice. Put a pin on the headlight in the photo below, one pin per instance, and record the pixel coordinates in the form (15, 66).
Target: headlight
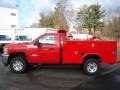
(5, 50)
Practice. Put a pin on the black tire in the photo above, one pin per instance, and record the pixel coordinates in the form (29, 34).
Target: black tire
(91, 66)
(18, 65)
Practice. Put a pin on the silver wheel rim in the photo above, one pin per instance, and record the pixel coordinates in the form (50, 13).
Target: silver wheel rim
(17, 65)
(92, 67)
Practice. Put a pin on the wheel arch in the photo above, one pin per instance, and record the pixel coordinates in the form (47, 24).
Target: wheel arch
(95, 56)
(15, 54)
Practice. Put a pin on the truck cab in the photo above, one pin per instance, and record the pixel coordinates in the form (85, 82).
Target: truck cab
(56, 49)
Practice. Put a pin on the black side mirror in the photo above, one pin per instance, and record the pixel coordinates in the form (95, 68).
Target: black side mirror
(9, 38)
(38, 44)
(17, 39)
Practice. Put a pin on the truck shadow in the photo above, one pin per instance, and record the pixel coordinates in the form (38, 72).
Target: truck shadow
(56, 68)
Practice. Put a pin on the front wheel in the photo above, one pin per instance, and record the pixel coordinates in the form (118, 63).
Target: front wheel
(18, 65)
(91, 66)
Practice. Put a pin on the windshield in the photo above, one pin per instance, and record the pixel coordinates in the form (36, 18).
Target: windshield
(4, 37)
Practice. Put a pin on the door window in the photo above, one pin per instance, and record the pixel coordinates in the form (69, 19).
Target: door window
(47, 40)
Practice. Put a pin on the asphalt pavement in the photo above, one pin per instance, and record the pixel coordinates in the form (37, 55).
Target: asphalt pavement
(60, 78)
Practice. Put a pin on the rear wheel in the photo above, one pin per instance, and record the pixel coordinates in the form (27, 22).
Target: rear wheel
(91, 66)
(18, 65)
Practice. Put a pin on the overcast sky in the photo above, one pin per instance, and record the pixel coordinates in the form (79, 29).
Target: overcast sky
(29, 9)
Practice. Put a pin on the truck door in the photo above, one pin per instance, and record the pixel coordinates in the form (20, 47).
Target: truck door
(48, 51)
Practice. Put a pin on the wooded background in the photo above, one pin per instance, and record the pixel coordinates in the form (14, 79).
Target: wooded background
(91, 18)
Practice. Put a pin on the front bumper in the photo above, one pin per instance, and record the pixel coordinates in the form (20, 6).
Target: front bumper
(4, 58)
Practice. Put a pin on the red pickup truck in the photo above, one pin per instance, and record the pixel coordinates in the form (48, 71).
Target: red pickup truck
(57, 48)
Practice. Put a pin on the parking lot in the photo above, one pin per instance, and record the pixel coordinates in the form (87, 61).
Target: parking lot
(60, 78)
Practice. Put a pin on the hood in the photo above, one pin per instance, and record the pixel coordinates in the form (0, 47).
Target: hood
(20, 47)
(17, 45)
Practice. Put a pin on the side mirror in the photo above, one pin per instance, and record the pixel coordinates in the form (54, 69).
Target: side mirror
(38, 44)
(16, 38)
(9, 38)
